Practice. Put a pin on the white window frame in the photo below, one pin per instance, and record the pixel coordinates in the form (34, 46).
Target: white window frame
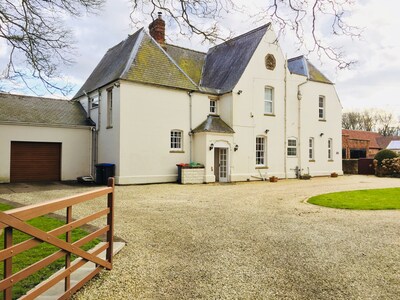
(330, 149)
(213, 106)
(261, 151)
(176, 140)
(291, 148)
(94, 102)
(321, 108)
(269, 101)
(110, 108)
(311, 151)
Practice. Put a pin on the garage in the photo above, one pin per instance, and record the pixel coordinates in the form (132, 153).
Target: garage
(33, 161)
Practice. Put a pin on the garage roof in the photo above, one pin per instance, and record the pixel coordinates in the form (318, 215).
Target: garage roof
(20, 109)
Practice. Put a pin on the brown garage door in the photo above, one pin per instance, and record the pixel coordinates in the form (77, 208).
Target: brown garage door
(35, 162)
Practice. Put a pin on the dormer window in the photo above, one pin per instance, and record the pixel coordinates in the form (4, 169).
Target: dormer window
(213, 106)
(94, 102)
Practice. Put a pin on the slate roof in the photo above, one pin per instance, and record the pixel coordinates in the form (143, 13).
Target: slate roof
(225, 63)
(21, 109)
(190, 61)
(301, 66)
(213, 123)
(138, 58)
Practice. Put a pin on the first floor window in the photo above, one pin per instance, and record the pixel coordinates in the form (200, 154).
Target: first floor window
(260, 151)
(330, 156)
(213, 106)
(109, 108)
(292, 147)
(268, 100)
(95, 102)
(311, 148)
(321, 108)
(176, 140)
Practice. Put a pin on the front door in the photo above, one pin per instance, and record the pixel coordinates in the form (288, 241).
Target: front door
(221, 164)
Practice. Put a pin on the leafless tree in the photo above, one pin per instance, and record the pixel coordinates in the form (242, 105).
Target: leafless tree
(38, 42)
(313, 22)
(372, 120)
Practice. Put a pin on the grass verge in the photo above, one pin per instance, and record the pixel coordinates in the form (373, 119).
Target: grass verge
(37, 253)
(363, 200)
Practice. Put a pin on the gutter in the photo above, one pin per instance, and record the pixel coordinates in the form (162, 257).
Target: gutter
(46, 125)
(299, 97)
(190, 125)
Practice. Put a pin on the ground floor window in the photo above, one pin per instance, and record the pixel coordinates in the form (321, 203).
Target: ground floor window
(260, 151)
(292, 147)
(311, 148)
(330, 156)
(176, 140)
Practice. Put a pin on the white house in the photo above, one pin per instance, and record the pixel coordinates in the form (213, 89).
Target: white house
(43, 139)
(240, 109)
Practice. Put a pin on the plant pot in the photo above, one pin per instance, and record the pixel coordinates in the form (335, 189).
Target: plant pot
(334, 174)
(273, 179)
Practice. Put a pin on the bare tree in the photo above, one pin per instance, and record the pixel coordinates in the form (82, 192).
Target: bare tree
(372, 120)
(352, 120)
(38, 43)
(312, 22)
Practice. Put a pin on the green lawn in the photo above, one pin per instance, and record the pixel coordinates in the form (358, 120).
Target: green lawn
(363, 200)
(37, 253)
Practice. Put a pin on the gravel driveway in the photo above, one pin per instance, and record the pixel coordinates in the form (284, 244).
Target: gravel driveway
(254, 240)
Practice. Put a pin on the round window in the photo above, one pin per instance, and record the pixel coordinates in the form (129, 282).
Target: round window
(270, 62)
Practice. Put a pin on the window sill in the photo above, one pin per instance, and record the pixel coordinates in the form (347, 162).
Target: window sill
(322, 120)
(269, 115)
(311, 160)
(176, 151)
(109, 127)
(261, 167)
(330, 160)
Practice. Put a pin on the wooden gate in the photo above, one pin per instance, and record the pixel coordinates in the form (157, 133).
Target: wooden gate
(15, 219)
(365, 166)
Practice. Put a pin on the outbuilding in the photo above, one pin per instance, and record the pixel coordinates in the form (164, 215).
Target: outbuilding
(43, 139)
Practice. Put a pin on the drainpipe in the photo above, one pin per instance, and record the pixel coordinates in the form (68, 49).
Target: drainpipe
(285, 119)
(299, 97)
(190, 124)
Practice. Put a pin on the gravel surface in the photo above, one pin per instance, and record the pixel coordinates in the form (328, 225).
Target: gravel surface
(254, 240)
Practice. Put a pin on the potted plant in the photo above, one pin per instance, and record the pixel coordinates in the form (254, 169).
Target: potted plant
(273, 179)
(334, 174)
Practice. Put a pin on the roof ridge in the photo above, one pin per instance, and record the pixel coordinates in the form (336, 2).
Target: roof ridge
(205, 53)
(32, 97)
(297, 57)
(242, 35)
(134, 52)
(171, 59)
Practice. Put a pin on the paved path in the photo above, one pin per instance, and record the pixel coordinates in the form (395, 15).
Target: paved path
(255, 240)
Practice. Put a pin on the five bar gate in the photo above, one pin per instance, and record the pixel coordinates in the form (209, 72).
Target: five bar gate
(15, 219)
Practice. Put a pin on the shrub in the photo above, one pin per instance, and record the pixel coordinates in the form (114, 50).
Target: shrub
(384, 154)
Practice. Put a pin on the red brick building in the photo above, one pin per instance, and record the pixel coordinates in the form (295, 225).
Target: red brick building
(360, 144)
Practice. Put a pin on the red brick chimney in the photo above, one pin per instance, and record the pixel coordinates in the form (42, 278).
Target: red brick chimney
(157, 30)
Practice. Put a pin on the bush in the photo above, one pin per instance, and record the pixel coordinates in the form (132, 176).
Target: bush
(384, 154)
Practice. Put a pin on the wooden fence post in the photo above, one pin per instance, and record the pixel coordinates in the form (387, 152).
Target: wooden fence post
(8, 241)
(110, 220)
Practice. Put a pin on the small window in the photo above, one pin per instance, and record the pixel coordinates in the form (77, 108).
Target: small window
(292, 147)
(321, 108)
(260, 151)
(330, 156)
(311, 148)
(269, 100)
(94, 102)
(213, 106)
(176, 140)
(109, 108)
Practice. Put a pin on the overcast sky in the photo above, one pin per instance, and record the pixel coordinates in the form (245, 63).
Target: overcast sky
(373, 83)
